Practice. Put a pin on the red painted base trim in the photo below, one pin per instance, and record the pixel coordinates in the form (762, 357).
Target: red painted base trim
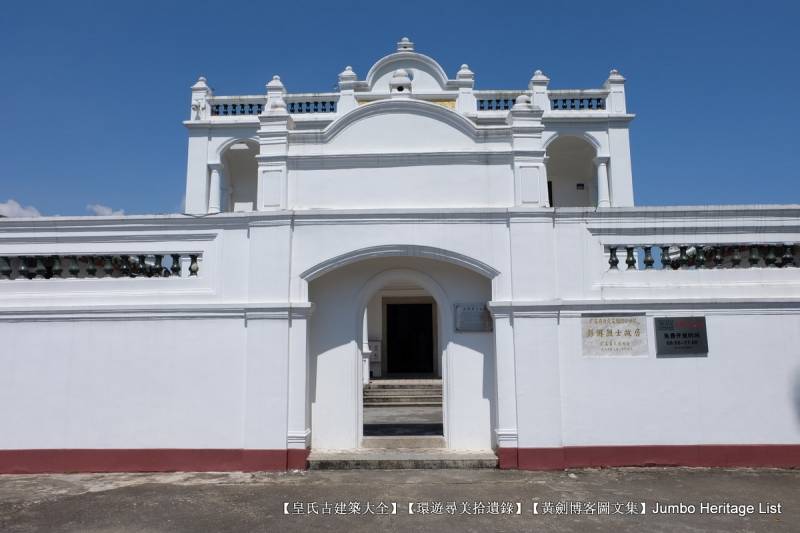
(712, 455)
(296, 459)
(148, 460)
(508, 458)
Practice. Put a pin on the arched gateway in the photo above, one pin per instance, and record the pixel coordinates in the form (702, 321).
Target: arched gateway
(381, 315)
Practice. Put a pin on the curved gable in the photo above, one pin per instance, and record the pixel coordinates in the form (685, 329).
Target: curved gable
(409, 125)
(426, 74)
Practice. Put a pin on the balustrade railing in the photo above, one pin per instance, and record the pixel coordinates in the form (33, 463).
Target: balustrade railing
(577, 104)
(703, 256)
(495, 104)
(226, 109)
(311, 106)
(30, 267)
(227, 106)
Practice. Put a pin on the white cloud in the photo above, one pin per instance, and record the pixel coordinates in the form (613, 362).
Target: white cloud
(11, 208)
(103, 210)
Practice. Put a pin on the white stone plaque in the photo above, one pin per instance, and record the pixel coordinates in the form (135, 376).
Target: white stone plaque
(614, 335)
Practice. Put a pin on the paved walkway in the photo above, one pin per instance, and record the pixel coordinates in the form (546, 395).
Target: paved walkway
(463, 500)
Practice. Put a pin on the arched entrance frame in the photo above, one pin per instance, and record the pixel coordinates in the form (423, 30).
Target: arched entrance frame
(444, 318)
(394, 250)
(299, 423)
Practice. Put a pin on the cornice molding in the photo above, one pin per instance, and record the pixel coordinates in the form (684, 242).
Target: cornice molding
(246, 311)
(649, 307)
(380, 160)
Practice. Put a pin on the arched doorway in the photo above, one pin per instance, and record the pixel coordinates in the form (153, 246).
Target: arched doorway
(339, 338)
(403, 357)
(571, 172)
(240, 176)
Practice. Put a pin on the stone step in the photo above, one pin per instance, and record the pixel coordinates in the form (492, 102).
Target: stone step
(407, 441)
(401, 392)
(421, 381)
(404, 399)
(388, 384)
(406, 404)
(400, 458)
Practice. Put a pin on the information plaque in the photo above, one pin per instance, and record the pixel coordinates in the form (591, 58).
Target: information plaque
(614, 335)
(681, 337)
(473, 317)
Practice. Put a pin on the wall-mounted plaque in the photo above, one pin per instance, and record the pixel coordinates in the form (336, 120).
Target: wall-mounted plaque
(473, 317)
(614, 335)
(681, 337)
(374, 351)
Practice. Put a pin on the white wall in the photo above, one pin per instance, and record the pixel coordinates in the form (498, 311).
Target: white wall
(411, 186)
(122, 384)
(747, 391)
(203, 362)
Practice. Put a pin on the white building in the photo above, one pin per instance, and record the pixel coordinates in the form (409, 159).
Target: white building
(234, 337)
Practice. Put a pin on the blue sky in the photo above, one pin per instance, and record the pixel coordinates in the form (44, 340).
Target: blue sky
(94, 92)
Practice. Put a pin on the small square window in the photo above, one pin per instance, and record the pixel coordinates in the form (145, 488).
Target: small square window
(579, 186)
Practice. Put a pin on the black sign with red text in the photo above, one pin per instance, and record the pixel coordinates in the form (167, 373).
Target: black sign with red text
(681, 337)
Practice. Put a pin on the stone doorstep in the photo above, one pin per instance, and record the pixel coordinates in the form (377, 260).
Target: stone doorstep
(400, 397)
(397, 404)
(404, 382)
(407, 441)
(402, 391)
(400, 458)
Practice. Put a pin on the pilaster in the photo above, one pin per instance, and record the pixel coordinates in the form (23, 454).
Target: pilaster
(466, 102)
(530, 171)
(298, 431)
(196, 199)
(603, 194)
(347, 96)
(506, 432)
(273, 139)
(538, 88)
(615, 102)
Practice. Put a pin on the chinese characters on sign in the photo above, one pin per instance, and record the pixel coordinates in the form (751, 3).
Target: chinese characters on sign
(681, 337)
(475, 507)
(473, 317)
(614, 335)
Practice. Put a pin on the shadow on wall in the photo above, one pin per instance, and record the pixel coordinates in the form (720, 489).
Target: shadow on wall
(796, 390)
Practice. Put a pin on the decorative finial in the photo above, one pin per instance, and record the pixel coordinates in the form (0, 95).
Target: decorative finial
(522, 101)
(275, 84)
(615, 75)
(200, 83)
(405, 45)
(400, 82)
(464, 73)
(347, 74)
(538, 75)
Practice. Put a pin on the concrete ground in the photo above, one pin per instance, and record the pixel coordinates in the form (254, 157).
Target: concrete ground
(402, 420)
(443, 500)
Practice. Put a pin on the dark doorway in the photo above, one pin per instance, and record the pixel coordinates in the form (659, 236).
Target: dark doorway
(409, 338)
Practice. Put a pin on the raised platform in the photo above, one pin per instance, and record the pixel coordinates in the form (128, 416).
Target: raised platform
(400, 458)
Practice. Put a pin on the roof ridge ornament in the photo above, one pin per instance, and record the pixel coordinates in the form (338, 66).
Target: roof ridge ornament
(400, 84)
(347, 74)
(464, 73)
(405, 45)
(275, 85)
